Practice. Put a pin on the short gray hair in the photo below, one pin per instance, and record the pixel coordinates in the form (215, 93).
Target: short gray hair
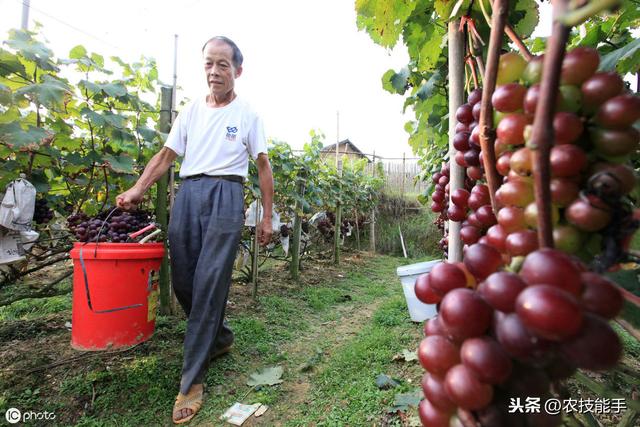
(237, 55)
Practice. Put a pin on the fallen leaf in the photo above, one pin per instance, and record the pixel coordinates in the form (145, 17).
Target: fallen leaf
(410, 355)
(385, 382)
(312, 361)
(406, 355)
(403, 401)
(268, 376)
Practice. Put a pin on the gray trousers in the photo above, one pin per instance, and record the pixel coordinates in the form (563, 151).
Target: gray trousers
(204, 232)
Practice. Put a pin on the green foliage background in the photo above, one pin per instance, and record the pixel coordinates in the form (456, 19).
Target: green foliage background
(79, 133)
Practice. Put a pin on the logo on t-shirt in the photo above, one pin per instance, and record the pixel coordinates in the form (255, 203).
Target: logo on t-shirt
(231, 133)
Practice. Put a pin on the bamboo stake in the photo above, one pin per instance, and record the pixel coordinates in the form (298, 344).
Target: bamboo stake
(256, 251)
(372, 227)
(161, 202)
(456, 98)
(297, 232)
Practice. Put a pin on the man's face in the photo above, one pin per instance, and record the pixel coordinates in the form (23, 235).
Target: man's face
(218, 67)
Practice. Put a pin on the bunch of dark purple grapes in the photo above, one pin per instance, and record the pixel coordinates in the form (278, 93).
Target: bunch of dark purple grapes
(325, 227)
(105, 228)
(42, 214)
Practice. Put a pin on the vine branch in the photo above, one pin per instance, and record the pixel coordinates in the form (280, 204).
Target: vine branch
(45, 292)
(487, 133)
(106, 186)
(515, 38)
(542, 133)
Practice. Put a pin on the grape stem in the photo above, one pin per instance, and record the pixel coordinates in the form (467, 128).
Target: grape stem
(515, 38)
(578, 16)
(542, 133)
(487, 133)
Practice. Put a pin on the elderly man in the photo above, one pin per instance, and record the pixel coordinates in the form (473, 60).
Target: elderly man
(215, 134)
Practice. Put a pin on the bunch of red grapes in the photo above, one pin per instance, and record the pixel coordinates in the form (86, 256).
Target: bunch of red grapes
(500, 336)
(115, 229)
(440, 197)
(467, 136)
(42, 213)
(327, 225)
(503, 335)
(594, 136)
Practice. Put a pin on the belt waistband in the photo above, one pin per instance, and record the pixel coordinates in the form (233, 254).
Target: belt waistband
(233, 178)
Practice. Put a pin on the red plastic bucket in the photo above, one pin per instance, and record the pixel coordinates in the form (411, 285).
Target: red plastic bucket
(115, 294)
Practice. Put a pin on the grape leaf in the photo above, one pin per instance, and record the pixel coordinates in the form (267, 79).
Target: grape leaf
(384, 19)
(78, 52)
(10, 64)
(31, 49)
(5, 94)
(147, 134)
(623, 59)
(114, 120)
(267, 376)
(18, 138)
(121, 164)
(458, 9)
(114, 89)
(425, 44)
(95, 118)
(538, 45)
(99, 59)
(444, 8)
(593, 36)
(395, 82)
(525, 17)
(428, 89)
(49, 93)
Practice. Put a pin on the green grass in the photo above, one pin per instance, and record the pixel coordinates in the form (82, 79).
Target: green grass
(329, 326)
(33, 308)
(344, 392)
(420, 235)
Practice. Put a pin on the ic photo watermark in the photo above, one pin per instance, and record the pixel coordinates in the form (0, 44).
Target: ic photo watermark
(15, 415)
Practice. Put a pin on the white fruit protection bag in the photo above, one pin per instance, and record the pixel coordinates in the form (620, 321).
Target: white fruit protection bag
(16, 214)
(18, 205)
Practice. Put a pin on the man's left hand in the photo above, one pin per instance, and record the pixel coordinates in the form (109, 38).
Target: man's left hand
(264, 231)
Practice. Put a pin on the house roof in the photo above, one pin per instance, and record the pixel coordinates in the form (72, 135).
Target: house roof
(351, 146)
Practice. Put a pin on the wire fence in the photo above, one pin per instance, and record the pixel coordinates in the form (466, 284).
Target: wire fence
(401, 174)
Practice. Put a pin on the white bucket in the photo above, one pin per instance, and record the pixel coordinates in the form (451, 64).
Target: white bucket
(418, 311)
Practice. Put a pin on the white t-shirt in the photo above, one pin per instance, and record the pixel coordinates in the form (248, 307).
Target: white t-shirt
(217, 141)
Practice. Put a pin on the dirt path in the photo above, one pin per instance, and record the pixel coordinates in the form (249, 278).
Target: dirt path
(333, 335)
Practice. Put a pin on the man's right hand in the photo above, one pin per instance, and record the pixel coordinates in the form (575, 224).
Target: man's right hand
(129, 199)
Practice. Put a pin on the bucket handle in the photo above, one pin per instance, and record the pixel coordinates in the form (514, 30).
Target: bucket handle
(86, 286)
(95, 253)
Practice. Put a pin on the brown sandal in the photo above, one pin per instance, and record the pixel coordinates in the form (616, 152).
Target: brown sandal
(192, 400)
(221, 352)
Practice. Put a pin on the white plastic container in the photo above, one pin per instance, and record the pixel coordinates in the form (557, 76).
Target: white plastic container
(418, 311)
